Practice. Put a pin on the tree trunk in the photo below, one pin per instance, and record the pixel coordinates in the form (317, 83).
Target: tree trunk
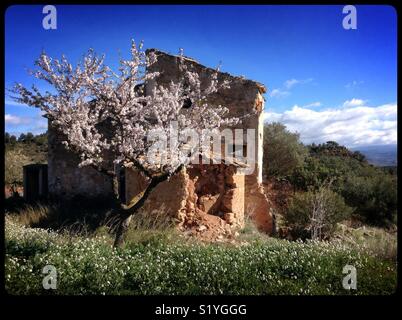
(121, 231)
(126, 212)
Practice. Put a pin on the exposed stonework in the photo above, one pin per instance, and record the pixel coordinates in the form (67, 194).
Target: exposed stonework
(201, 196)
(65, 179)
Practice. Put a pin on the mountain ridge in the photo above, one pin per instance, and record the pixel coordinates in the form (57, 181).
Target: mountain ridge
(383, 155)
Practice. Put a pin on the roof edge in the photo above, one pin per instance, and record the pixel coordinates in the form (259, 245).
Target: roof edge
(261, 87)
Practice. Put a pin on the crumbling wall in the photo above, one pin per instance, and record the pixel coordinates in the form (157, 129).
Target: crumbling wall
(169, 198)
(244, 100)
(258, 206)
(219, 191)
(192, 193)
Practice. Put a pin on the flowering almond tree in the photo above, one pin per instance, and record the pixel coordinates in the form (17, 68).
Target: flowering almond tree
(91, 96)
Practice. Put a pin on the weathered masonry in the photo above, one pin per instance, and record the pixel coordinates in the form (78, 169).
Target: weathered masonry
(214, 191)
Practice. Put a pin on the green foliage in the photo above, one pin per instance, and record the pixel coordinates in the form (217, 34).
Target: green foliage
(41, 139)
(332, 148)
(29, 137)
(25, 138)
(329, 161)
(374, 196)
(92, 266)
(9, 139)
(22, 137)
(370, 190)
(316, 213)
(283, 151)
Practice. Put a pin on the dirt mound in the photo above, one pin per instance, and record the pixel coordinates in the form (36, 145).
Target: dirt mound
(208, 228)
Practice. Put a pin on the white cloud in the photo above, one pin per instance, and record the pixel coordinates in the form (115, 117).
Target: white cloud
(277, 93)
(15, 120)
(35, 124)
(354, 103)
(292, 82)
(287, 85)
(354, 126)
(312, 105)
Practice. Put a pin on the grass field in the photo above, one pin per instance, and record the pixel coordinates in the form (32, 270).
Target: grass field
(161, 262)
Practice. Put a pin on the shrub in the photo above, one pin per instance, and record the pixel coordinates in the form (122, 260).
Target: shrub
(315, 214)
(375, 197)
(283, 151)
(370, 190)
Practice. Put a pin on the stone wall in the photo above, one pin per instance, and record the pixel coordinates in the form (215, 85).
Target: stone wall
(66, 180)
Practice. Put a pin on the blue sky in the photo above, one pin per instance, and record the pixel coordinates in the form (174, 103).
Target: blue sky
(323, 81)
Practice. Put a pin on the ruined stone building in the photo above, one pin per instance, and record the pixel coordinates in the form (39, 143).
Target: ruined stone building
(203, 194)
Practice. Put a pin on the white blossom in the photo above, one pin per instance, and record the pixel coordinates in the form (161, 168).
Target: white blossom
(91, 95)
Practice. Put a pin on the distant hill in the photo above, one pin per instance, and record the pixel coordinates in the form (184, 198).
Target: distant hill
(25, 149)
(380, 155)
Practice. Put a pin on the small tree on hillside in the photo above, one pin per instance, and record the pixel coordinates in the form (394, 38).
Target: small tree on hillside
(283, 151)
(13, 139)
(91, 94)
(316, 212)
(22, 137)
(29, 137)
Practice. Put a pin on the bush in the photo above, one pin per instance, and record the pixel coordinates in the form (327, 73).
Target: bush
(283, 151)
(370, 190)
(314, 214)
(320, 168)
(375, 197)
